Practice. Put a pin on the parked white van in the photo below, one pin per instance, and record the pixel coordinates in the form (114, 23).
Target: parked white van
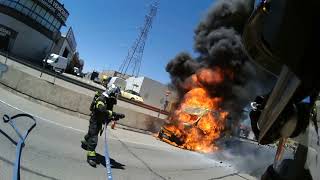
(56, 62)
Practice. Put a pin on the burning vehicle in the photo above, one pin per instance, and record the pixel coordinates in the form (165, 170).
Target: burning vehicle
(215, 86)
(196, 124)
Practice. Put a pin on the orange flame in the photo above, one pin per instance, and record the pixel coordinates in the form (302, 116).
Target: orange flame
(201, 136)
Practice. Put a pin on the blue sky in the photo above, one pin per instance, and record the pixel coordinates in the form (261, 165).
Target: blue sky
(106, 29)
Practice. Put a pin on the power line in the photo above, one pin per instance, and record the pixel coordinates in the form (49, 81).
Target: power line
(132, 61)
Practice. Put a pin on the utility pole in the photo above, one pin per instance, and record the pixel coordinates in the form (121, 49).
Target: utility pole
(133, 60)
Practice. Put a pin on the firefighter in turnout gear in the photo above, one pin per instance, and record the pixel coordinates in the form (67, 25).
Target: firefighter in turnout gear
(101, 112)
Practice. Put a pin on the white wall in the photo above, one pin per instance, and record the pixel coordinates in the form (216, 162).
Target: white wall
(29, 43)
(66, 45)
(152, 92)
(134, 83)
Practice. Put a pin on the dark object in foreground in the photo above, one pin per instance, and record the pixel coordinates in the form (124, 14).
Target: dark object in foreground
(286, 172)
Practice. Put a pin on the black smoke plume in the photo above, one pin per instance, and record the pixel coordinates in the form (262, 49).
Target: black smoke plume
(181, 68)
(218, 43)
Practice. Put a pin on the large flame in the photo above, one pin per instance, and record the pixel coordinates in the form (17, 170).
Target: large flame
(201, 136)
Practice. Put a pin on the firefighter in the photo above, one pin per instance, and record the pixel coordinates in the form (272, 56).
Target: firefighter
(101, 112)
(104, 80)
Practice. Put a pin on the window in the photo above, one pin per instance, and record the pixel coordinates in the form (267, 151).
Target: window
(47, 16)
(34, 16)
(19, 7)
(55, 21)
(43, 22)
(38, 9)
(23, 2)
(58, 25)
(25, 11)
(13, 4)
(42, 12)
(6, 3)
(50, 19)
(28, 4)
(38, 19)
(47, 25)
(51, 28)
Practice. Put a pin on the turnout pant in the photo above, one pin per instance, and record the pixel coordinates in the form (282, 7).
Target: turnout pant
(91, 137)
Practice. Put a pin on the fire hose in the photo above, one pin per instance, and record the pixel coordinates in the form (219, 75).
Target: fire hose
(22, 138)
(106, 149)
(106, 154)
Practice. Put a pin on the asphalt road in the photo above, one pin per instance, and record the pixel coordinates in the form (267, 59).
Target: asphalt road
(53, 151)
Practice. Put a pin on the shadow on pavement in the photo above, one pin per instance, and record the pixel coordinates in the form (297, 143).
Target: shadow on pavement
(43, 176)
(8, 137)
(114, 164)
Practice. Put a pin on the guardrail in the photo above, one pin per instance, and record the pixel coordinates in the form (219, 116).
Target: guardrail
(79, 83)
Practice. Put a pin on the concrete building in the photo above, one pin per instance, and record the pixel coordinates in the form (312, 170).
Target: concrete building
(152, 92)
(66, 45)
(30, 28)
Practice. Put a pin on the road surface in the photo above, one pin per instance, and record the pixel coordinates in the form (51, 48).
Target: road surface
(53, 151)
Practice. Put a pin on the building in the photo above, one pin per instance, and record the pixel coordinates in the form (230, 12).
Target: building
(94, 76)
(30, 29)
(66, 45)
(112, 73)
(153, 92)
(75, 62)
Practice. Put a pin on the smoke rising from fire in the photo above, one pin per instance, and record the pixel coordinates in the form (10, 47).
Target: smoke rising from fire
(181, 68)
(218, 43)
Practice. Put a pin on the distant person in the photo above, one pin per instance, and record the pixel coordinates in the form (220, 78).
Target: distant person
(105, 80)
(101, 112)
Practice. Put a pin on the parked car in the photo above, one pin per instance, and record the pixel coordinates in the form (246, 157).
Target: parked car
(130, 94)
(76, 71)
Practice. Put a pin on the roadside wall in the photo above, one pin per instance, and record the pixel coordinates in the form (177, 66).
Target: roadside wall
(67, 99)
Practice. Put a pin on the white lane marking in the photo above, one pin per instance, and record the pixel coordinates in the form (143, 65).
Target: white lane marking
(43, 119)
(78, 130)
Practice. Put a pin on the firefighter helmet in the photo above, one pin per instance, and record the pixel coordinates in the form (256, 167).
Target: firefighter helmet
(112, 91)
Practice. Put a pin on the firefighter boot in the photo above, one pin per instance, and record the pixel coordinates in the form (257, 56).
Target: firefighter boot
(92, 158)
(84, 144)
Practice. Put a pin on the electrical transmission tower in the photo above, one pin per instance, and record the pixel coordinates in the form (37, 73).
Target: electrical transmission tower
(132, 62)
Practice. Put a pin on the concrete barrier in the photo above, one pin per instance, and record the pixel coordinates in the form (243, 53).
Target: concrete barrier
(139, 120)
(11, 77)
(84, 104)
(70, 100)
